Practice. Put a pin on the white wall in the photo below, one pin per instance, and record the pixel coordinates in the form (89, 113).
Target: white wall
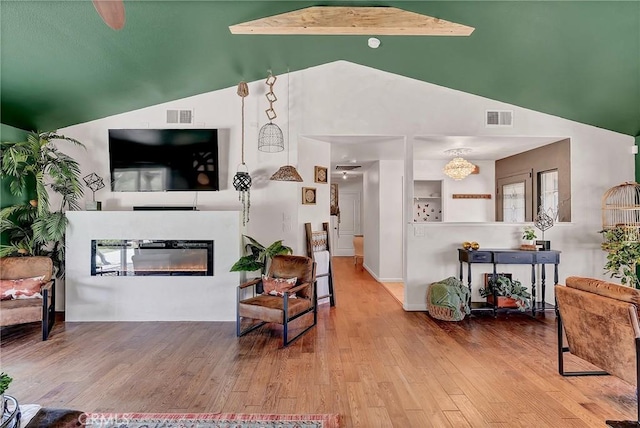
(462, 210)
(391, 218)
(316, 153)
(151, 298)
(274, 205)
(372, 226)
(342, 98)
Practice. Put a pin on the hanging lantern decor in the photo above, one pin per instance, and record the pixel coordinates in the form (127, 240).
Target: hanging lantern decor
(270, 137)
(242, 179)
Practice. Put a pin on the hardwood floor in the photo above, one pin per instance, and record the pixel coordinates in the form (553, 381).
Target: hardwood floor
(367, 359)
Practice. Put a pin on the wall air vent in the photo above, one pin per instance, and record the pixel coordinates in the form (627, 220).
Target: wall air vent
(347, 167)
(180, 116)
(499, 118)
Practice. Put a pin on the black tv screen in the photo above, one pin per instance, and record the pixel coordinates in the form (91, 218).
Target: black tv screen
(158, 160)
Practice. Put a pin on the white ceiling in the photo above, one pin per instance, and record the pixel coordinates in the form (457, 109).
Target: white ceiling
(366, 149)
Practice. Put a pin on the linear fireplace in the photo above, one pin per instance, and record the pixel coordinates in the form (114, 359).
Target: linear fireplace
(144, 257)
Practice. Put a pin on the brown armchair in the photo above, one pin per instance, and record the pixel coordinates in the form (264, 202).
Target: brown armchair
(22, 311)
(277, 309)
(600, 320)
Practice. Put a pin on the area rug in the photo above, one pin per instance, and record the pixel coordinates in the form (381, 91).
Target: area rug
(208, 420)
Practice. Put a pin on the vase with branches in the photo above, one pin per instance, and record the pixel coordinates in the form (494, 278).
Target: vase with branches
(37, 166)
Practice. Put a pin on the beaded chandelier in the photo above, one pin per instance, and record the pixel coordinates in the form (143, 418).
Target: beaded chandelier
(458, 168)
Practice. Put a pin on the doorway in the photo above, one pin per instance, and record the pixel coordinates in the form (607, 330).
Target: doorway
(349, 223)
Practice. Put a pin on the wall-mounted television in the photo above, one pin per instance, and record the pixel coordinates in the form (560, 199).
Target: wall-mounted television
(159, 160)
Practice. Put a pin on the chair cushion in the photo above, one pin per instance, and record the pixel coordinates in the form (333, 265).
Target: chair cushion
(271, 308)
(605, 288)
(285, 266)
(25, 267)
(24, 288)
(277, 286)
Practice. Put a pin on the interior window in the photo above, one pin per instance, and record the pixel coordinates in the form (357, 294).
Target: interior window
(513, 202)
(548, 197)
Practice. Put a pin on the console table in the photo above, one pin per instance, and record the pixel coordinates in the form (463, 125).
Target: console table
(517, 257)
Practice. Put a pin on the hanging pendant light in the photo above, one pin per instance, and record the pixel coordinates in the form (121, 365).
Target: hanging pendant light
(458, 168)
(270, 138)
(287, 172)
(242, 179)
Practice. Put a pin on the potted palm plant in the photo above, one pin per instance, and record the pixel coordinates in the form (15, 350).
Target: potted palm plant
(35, 167)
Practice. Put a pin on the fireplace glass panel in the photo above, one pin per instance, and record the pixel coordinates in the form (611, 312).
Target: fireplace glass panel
(137, 257)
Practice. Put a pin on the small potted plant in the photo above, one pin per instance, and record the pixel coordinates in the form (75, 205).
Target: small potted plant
(509, 293)
(258, 256)
(5, 380)
(528, 238)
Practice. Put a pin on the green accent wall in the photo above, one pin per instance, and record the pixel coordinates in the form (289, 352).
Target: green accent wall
(62, 65)
(11, 134)
(638, 160)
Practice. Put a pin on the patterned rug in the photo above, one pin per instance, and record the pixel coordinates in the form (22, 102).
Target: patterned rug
(208, 420)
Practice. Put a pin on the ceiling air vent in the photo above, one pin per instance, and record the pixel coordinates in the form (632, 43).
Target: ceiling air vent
(180, 116)
(499, 118)
(346, 167)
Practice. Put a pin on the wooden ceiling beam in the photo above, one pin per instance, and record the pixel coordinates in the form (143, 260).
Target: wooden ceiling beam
(352, 20)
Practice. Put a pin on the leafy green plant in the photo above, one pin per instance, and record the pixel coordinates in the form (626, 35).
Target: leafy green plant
(504, 286)
(623, 254)
(258, 256)
(529, 233)
(5, 380)
(36, 166)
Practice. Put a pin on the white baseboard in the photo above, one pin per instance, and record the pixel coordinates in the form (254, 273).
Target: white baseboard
(391, 280)
(415, 307)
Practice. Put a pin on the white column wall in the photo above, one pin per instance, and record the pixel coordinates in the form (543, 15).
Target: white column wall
(151, 298)
(371, 229)
(391, 219)
(316, 153)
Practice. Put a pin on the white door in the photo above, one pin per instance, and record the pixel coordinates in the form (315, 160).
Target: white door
(349, 225)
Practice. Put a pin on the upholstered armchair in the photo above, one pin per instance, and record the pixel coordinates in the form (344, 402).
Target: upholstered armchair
(600, 320)
(288, 301)
(22, 311)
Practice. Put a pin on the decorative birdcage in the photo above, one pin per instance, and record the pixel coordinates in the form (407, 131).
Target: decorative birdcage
(621, 211)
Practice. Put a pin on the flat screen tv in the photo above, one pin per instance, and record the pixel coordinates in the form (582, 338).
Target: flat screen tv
(159, 160)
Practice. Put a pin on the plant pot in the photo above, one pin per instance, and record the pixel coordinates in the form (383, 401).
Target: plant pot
(504, 302)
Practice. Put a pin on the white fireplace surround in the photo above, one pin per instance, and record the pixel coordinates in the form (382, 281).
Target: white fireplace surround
(151, 298)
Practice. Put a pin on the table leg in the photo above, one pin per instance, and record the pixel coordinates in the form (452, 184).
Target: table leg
(543, 284)
(533, 289)
(469, 281)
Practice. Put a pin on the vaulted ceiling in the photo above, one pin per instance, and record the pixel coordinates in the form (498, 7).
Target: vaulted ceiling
(61, 65)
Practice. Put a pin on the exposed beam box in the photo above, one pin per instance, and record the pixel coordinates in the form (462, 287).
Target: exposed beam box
(346, 20)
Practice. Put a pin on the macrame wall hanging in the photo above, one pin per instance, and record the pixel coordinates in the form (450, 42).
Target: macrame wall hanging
(242, 179)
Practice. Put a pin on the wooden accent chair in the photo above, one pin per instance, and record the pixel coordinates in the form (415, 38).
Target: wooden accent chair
(22, 311)
(600, 320)
(280, 309)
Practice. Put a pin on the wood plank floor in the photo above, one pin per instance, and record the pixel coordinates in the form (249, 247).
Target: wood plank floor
(367, 359)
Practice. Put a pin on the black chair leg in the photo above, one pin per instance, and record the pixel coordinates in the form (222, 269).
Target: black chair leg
(562, 349)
